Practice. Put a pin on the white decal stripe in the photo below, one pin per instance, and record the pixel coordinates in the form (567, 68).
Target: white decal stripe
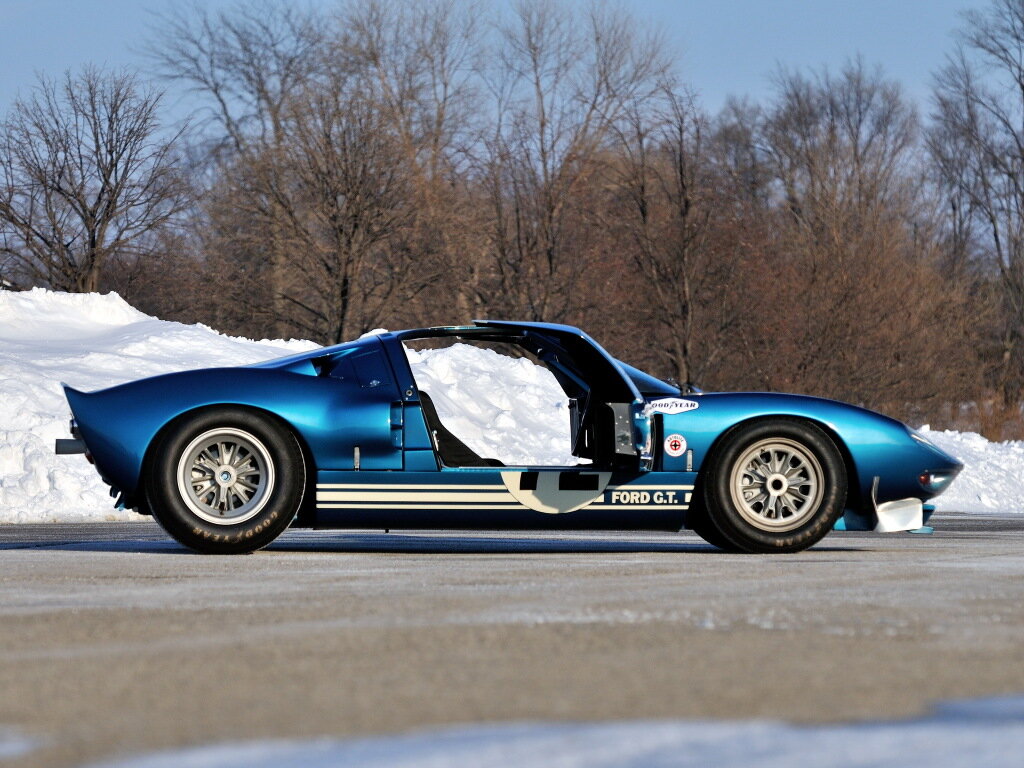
(435, 486)
(512, 507)
(399, 486)
(413, 505)
(419, 496)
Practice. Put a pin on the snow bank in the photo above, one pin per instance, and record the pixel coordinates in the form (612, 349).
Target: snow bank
(502, 407)
(989, 733)
(993, 476)
(90, 341)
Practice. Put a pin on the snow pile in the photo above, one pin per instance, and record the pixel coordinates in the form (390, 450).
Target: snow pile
(502, 407)
(89, 341)
(993, 476)
(989, 733)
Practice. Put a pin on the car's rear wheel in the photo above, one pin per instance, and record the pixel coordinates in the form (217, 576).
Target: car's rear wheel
(226, 481)
(776, 485)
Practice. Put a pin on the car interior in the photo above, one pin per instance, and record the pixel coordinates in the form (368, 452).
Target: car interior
(598, 397)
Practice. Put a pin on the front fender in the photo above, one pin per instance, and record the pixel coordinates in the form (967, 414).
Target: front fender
(873, 445)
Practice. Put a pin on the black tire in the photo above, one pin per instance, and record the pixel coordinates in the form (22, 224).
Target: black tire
(698, 521)
(776, 485)
(246, 451)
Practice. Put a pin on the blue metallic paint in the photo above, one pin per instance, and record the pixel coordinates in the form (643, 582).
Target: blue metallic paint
(875, 445)
(332, 416)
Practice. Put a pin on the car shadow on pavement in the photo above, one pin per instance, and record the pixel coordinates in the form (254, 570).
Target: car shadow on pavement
(483, 544)
(470, 544)
(356, 542)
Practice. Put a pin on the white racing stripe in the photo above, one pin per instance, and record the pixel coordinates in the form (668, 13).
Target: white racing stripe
(513, 506)
(415, 496)
(410, 487)
(412, 504)
(485, 497)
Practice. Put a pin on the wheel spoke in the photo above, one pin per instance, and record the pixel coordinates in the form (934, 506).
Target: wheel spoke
(206, 462)
(783, 460)
(776, 484)
(225, 476)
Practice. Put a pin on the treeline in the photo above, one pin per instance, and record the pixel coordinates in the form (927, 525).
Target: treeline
(396, 164)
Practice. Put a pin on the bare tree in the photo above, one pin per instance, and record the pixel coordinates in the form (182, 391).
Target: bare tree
(978, 145)
(340, 187)
(244, 64)
(559, 82)
(851, 303)
(662, 177)
(85, 174)
(421, 60)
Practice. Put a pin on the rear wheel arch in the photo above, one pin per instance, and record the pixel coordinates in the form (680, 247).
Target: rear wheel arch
(308, 505)
(147, 461)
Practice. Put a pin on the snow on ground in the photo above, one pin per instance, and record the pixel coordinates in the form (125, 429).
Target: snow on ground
(993, 476)
(502, 407)
(89, 341)
(988, 733)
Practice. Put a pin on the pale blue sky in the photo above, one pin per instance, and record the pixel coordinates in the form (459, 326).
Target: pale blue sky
(725, 46)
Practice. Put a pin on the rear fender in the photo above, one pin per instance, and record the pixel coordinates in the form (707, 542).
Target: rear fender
(330, 416)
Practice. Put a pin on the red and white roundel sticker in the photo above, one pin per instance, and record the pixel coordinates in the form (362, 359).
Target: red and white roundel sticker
(675, 445)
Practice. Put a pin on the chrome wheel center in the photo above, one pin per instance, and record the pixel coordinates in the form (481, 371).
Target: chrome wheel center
(225, 476)
(777, 484)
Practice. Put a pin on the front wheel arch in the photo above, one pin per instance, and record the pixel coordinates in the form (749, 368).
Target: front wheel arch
(853, 480)
(697, 516)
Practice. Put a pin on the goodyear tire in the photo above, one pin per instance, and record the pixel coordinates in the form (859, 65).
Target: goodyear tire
(776, 485)
(226, 481)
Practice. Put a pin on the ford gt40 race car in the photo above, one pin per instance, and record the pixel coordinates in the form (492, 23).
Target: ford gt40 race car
(226, 458)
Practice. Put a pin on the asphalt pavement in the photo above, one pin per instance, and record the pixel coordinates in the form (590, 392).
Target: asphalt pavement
(116, 641)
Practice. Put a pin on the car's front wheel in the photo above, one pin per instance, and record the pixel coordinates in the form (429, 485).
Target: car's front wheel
(777, 485)
(226, 481)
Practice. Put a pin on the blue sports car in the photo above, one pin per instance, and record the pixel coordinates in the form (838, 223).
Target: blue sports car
(226, 458)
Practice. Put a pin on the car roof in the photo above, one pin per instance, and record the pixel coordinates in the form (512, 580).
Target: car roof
(533, 326)
(510, 326)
